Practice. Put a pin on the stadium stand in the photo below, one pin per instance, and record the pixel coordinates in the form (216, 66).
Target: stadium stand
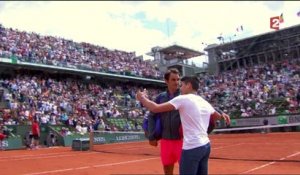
(80, 105)
(267, 89)
(68, 101)
(35, 48)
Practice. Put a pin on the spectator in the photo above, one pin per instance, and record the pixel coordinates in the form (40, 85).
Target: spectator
(35, 129)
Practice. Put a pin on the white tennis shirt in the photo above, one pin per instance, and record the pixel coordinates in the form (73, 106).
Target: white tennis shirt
(195, 115)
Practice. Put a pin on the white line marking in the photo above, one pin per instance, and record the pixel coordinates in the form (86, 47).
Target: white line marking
(54, 171)
(293, 155)
(120, 163)
(33, 155)
(92, 166)
(270, 163)
(81, 168)
(258, 168)
(257, 127)
(44, 157)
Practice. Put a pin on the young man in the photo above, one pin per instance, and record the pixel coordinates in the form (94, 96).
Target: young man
(171, 137)
(195, 113)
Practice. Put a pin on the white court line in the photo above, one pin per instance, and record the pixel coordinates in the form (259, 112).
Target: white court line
(65, 154)
(81, 168)
(270, 163)
(44, 157)
(292, 155)
(120, 163)
(33, 155)
(92, 166)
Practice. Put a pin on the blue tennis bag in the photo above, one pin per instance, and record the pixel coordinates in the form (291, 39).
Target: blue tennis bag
(157, 129)
(158, 125)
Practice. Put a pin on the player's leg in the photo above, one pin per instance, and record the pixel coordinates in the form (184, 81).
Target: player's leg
(178, 149)
(32, 142)
(170, 154)
(203, 164)
(168, 169)
(37, 141)
(188, 164)
(195, 161)
(167, 159)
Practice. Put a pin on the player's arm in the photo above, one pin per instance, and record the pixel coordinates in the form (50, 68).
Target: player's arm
(157, 108)
(152, 106)
(218, 115)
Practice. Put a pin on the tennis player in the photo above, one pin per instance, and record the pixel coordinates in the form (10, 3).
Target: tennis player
(168, 128)
(195, 113)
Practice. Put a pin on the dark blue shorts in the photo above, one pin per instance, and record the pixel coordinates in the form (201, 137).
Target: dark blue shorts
(195, 161)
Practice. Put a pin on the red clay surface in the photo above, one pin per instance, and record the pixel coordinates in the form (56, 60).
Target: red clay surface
(273, 153)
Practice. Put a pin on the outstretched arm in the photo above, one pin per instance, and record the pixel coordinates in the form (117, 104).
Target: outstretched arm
(152, 106)
(221, 115)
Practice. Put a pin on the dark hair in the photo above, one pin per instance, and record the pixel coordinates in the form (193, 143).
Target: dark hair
(169, 71)
(193, 80)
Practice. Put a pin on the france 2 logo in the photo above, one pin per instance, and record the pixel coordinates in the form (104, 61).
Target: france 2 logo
(274, 22)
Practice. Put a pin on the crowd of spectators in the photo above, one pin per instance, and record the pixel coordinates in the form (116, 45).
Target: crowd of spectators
(266, 89)
(84, 106)
(80, 105)
(50, 50)
(245, 92)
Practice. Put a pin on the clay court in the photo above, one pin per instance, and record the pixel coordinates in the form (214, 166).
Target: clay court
(272, 153)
